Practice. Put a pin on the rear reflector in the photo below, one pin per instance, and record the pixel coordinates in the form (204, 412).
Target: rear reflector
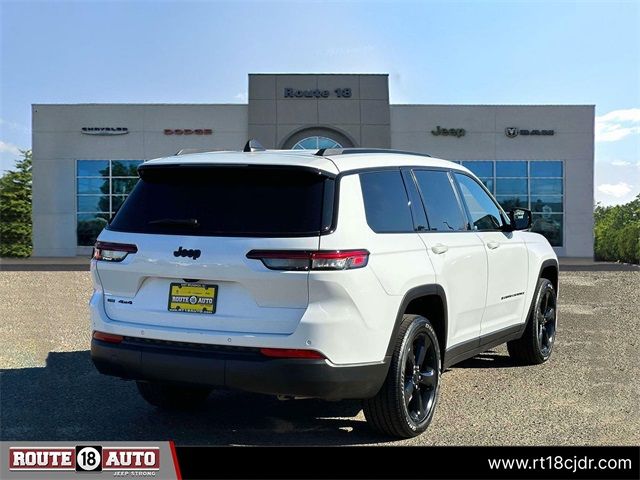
(291, 353)
(113, 252)
(303, 260)
(108, 337)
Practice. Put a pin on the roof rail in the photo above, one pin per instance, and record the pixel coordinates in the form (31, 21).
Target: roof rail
(325, 152)
(185, 151)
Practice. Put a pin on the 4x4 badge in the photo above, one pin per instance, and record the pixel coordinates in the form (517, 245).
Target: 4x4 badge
(181, 252)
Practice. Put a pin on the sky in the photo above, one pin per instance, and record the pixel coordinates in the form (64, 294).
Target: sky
(480, 52)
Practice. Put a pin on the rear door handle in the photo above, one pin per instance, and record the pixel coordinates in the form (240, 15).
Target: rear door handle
(439, 248)
(493, 245)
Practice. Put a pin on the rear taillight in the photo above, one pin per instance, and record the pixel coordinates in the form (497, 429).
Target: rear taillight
(291, 353)
(108, 337)
(303, 260)
(113, 252)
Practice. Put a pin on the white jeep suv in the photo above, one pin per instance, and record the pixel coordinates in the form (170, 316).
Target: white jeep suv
(335, 274)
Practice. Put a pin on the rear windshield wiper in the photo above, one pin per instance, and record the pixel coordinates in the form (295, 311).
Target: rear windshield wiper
(189, 222)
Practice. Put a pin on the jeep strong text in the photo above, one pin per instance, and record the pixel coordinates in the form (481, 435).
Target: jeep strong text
(333, 274)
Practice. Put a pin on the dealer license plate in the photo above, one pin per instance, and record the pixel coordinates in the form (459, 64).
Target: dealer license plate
(193, 297)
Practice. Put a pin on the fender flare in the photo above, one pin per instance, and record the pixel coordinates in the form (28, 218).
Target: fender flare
(550, 262)
(431, 289)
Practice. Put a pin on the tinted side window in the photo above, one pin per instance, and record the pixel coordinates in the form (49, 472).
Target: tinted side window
(385, 202)
(485, 215)
(440, 202)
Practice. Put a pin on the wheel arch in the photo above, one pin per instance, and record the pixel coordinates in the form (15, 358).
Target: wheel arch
(430, 301)
(549, 270)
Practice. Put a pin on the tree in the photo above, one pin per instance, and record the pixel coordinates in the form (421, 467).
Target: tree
(617, 232)
(15, 209)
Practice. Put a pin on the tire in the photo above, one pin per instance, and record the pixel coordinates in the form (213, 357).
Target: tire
(536, 344)
(405, 404)
(171, 397)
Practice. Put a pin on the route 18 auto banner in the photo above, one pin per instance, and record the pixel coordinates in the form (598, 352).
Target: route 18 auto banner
(58, 460)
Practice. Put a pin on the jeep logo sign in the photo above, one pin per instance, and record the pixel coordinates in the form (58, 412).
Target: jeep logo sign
(513, 132)
(450, 132)
(184, 252)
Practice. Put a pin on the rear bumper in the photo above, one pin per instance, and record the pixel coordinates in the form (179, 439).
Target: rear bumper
(235, 367)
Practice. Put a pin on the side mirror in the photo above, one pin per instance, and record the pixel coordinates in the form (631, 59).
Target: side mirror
(520, 218)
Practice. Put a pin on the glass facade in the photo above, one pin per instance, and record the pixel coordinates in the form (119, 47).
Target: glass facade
(315, 143)
(101, 187)
(537, 185)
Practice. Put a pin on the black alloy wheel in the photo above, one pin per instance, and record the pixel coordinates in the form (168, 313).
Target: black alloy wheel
(536, 344)
(420, 377)
(546, 320)
(406, 402)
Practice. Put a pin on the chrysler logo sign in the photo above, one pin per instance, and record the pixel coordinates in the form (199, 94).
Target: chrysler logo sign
(104, 130)
(513, 132)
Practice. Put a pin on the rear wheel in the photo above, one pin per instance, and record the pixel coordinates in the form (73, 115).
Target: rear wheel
(172, 397)
(405, 404)
(536, 343)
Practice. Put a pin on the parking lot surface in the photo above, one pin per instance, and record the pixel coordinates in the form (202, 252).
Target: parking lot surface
(587, 394)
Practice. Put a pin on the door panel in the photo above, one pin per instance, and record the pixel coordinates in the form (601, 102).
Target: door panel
(507, 285)
(506, 256)
(460, 263)
(457, 254)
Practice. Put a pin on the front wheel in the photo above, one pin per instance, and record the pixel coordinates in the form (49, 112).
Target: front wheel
(536, 343)
(405, 404)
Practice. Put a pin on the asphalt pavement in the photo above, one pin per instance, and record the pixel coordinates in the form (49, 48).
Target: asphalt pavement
(587, 394)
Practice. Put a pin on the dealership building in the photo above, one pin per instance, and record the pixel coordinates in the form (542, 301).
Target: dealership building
(536, 156)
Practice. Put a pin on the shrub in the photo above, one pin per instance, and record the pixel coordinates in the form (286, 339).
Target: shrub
(617, 232)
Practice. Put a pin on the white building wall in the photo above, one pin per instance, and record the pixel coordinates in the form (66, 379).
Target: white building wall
(485, 139)
(58, 143)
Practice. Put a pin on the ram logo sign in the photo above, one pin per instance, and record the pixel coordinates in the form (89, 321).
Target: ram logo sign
(512, 132)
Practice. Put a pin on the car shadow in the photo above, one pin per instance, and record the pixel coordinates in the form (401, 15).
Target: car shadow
(488, 359)
(69, 400)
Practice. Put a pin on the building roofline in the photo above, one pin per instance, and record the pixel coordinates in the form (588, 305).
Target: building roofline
(492, 105)
(141, 104)
(117, 104)
(316, 73)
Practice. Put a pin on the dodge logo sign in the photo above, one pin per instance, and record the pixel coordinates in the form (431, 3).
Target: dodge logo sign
(188, 131)
(513, 132)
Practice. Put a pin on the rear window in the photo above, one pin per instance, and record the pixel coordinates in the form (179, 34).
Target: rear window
(225, 201)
